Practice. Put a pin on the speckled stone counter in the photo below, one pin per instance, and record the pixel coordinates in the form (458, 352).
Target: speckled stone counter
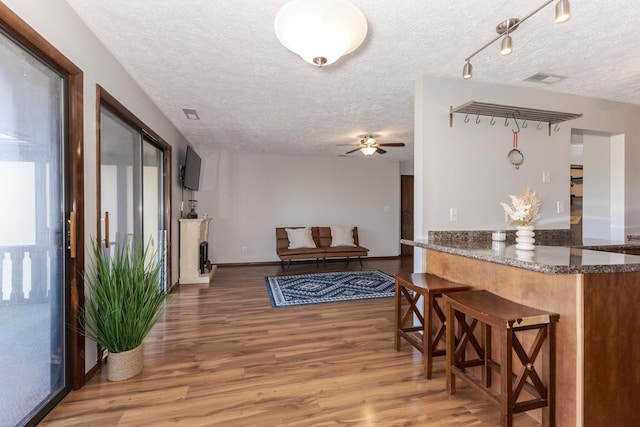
(544, 259)
(595, 292)
(557, 254)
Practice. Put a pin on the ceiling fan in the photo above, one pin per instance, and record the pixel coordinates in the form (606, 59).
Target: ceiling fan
(369, 145)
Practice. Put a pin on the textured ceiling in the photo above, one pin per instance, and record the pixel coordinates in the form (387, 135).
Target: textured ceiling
(222, 58)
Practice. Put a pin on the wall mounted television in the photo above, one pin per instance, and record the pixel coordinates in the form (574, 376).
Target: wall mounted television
(191, 171)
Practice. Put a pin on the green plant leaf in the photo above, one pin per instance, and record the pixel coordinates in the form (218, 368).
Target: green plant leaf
(125, 296)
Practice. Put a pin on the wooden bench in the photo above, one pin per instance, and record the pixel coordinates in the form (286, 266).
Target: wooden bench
(467, 309)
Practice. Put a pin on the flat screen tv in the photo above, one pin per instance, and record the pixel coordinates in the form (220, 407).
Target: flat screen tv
(191, 177)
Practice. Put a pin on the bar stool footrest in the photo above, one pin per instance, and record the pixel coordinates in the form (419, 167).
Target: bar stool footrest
(530, 404)
(413, 338)
(477, 385)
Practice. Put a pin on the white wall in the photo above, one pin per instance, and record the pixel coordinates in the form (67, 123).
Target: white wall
(406, 167)
(58, 23)
(465, 166)
(618, 187)
(249, 195)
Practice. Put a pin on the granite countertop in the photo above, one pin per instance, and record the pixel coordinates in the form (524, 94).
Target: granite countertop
(552, 259)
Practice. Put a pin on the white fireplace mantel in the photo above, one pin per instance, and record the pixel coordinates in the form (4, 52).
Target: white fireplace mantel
(192, 233)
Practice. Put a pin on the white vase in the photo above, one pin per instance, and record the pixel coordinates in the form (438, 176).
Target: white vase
(525, 238)
(127, 364)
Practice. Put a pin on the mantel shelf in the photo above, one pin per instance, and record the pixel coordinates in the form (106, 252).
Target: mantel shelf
(510, 112)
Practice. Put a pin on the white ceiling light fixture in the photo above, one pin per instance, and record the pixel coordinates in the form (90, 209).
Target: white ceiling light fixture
(509, 25)
(320, 31)
(369, 150)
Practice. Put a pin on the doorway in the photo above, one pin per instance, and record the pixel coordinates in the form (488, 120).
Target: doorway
(406, 212)
(597, 190)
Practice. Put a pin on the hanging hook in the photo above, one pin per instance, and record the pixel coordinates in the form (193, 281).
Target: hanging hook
(557, 128)
(539, 125)
(506, 121)
(478, 119)
(517, 125)
(493, 120)
(466, 118)
(524, 124)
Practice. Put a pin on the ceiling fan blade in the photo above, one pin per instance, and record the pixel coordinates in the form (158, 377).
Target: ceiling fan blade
(381, 151)
(392, 144)
(348, 145)
(352, 151)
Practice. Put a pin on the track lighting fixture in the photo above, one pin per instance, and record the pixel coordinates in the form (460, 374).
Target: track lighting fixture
(510, 25)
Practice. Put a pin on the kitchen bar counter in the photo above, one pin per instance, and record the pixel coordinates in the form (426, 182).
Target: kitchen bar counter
(601, 258)
(596, 293)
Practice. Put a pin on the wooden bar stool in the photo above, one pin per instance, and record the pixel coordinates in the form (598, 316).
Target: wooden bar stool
(412, 286)
(469, 308)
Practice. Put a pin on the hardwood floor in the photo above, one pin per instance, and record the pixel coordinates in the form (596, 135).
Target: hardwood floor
(221, 356)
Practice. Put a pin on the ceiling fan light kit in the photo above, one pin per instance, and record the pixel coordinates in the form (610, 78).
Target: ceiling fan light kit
(320, 31)
(369, 145)
(368, 150)
(507, 26)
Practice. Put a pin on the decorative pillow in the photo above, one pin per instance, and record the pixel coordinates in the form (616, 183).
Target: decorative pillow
(342, 236)
(300, 238)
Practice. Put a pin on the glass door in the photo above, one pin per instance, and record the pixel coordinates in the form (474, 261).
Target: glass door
(132, 186)
(153, 191)
(32, 226)
(120, 180)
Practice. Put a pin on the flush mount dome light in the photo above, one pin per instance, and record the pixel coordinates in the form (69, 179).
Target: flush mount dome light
(320, 31)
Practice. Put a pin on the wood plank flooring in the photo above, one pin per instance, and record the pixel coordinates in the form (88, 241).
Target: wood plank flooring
(221, 356)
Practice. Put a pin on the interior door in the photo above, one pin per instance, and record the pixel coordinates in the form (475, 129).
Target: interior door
(406, 206)
(32, 229)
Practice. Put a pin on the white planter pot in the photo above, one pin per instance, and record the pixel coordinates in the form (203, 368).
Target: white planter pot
(525, 238)
(126, 364)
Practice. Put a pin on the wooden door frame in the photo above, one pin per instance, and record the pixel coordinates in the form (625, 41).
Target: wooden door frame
(73, 159)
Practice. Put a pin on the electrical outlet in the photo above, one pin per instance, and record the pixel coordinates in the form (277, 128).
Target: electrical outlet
(560, 206)
(453, 214)
(546, 176)
(387, 208)
(244, 250)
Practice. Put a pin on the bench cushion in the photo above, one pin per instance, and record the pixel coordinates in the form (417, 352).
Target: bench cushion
(300, 238)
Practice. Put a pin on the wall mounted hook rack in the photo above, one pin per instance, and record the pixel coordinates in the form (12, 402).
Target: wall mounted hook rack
(511, 112)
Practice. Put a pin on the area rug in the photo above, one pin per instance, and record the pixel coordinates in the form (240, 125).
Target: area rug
(286, 291)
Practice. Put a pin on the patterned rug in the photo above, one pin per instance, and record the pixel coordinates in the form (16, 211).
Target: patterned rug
(286, 291)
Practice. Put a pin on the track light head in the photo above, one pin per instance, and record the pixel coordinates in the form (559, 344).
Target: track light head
(563, 11)
(467, 71)
(507, 46)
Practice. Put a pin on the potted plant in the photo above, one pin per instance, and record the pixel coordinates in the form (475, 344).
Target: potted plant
(125, 299)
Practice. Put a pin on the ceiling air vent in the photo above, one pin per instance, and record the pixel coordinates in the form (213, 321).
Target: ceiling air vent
(548, 79)
(191, 114)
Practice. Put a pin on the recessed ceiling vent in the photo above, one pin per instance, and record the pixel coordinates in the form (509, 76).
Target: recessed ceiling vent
(191, 114)
(545, 78)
